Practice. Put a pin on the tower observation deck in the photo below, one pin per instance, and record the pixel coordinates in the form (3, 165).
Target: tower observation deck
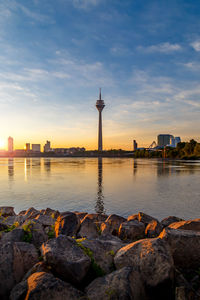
(100, 106)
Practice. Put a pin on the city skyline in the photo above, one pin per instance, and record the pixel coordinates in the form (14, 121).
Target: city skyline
(55, 55)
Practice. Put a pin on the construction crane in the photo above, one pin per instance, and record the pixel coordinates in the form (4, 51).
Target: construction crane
(153, 145)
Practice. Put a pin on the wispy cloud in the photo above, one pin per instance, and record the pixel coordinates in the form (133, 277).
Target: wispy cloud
(85, 4)
(193, 66)
(163, 48)
(196, 45)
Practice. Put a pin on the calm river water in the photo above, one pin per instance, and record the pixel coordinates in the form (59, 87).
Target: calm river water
(113, 185)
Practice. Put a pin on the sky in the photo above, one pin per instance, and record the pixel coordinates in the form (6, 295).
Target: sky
(55, 54)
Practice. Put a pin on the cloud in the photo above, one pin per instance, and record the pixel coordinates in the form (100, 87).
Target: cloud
(163, 48)
(196, 45)
(193, 66)
(85, 4)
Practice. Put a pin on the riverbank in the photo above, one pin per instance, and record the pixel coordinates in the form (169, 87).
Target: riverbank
(74, 255)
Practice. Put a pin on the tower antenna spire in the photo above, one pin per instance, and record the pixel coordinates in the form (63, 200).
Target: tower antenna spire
(99, 93)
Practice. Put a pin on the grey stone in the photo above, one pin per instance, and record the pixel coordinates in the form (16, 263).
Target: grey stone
(112, 224)
(184, 245)
(15, 260)
(123, 284)
(169, 220)
(67, 224)
(153, 229)
(6, 211)
(66, 258)
(131, 230)
(153, 259)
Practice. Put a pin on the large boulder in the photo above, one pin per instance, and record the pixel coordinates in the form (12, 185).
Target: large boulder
(88, 229)
(153, 229)
(12, 220)
(66, 258)
(6, 211)
(16, 235)
(15, 260)
(131, 230)
(123, 284)
(30, 213)
(142, 217)
(102, 251)
(185, 245)
(67, 224)
(34, 232)
(81, 215)
(45, 220)
(187, 225)
(51, 213)
(153, 259)
(169, 220)
(42, 286)
(112, 224)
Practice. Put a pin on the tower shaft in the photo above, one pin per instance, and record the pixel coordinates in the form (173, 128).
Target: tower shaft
(100, 106)
(100, 144)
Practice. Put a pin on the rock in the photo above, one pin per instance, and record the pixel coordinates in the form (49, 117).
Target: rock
(132, 217)
(45, 220)
(15, 260)
(97, 218)
(169, 220)
(67, 224)
(31, 213)
(22, 213)
(3, 226)
(142, 217)
(81, 215)
(153, 229)
(16, 235)
(51, 213)
(66, 258)
(19, 291)
(43, 285)
(103, 252)
(88, 229)
(6, 211)
(112, 224)
(38, 267)
(187, 225)
(123, 284)
(182, 293)
(13, 220)
(185, 245)
(34, 232)
(131, 230)
(153, 259)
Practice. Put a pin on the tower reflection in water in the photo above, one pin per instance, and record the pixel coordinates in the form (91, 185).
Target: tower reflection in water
(99, 207)
(11, 169)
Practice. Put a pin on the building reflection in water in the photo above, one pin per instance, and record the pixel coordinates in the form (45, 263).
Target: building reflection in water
(135, 166)
(11, 169)
(99, 207)
(47, 165)
(27, 168)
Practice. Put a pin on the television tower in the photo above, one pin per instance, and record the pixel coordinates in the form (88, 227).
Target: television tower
(100, 106)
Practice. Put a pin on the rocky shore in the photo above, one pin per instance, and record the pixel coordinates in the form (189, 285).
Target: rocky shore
(49, 254)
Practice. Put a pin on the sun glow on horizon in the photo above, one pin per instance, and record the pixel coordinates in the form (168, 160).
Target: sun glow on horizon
(2, 144)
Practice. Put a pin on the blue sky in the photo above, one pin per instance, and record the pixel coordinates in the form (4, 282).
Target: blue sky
(55, 54)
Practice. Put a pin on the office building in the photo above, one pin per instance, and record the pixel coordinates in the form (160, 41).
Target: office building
(28, 146)
(100, 106)
(10, 144)
(47, 146)
(135, 145)
(164, 139)
(177, 140)
(36, 147)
